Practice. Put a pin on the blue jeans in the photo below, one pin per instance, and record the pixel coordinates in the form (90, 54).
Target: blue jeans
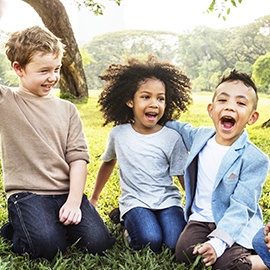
(154, 227)
(38, 231)
(260, 247)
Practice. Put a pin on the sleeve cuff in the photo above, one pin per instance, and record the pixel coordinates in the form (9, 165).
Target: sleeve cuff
(218, 245)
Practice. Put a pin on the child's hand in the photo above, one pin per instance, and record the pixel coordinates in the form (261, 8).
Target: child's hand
(208, 253)
(267, 235)
(70, 214)
(266, 229)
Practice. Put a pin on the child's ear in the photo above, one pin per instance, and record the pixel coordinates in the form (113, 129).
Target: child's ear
(253, 118)
(210, 109)
(130, 104)
(17, 68)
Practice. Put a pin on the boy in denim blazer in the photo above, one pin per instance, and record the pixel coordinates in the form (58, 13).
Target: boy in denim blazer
(224, 177)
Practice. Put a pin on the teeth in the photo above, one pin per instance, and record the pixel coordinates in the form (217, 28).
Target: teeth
(227, 119)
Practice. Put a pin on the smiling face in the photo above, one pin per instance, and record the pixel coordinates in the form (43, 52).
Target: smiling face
(40, 74)
(148, 106)
(231, 109)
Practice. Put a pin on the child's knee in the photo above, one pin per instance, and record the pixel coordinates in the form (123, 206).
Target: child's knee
(148, 238)
(42, 247)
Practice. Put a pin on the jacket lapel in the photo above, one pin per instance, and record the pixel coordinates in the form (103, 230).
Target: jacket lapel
(230, 157)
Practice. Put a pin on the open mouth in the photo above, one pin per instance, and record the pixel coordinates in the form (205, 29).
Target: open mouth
(151, 115)
(47, 86)
(227, 122)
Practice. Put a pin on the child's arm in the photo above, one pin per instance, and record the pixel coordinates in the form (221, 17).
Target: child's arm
(103, 175)
(70, 212)
(181, 180)
(267, 235)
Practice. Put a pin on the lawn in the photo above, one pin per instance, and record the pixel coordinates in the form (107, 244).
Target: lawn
(121, 256)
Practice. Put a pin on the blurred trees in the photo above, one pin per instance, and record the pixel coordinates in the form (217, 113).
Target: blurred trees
(117, 46)
(204, 54)
(261, 73)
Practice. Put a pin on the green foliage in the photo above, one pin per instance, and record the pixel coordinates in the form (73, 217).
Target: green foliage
(244, 67)
(208, 75)
(72, 98)
(243, 45)
(121, 256)
(95, 6)
(7, 75)
(222, 8)
(114, 47)
(86, 57)
(199, 53)
(261, 73)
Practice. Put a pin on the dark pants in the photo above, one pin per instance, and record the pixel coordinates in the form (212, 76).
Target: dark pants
(234, 258)
(38, 231)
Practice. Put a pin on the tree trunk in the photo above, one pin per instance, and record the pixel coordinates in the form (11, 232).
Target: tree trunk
(55, 18)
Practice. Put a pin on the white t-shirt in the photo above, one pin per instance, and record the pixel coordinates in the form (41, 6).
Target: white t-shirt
(208, 164)
(146, 166)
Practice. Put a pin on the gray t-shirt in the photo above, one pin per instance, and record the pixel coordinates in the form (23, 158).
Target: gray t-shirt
(146, 166)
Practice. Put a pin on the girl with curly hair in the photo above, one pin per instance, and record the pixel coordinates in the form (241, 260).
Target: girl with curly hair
(139, 98)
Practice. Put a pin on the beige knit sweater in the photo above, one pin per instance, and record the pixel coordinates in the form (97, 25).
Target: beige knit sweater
(40, 136)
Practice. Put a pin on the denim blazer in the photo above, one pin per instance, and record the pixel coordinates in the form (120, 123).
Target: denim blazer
(237, 187)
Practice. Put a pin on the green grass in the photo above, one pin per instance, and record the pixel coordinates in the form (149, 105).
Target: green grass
(121, 256)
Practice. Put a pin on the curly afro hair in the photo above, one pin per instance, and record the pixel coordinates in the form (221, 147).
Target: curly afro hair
(123, 80)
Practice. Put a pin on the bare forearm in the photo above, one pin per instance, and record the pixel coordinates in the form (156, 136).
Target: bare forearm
(78, 174)
(103, 175)
(70, 212)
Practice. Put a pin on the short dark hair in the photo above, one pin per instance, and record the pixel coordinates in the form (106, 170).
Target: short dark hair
(235, 75)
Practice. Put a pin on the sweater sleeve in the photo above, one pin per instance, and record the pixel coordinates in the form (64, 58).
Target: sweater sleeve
(76, 141)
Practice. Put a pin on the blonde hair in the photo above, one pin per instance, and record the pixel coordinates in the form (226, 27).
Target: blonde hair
(23, 45)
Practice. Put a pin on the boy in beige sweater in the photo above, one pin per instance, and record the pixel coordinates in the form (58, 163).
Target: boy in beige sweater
(44, 156)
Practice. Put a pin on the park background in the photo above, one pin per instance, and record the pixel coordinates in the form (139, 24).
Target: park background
(203, 45)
